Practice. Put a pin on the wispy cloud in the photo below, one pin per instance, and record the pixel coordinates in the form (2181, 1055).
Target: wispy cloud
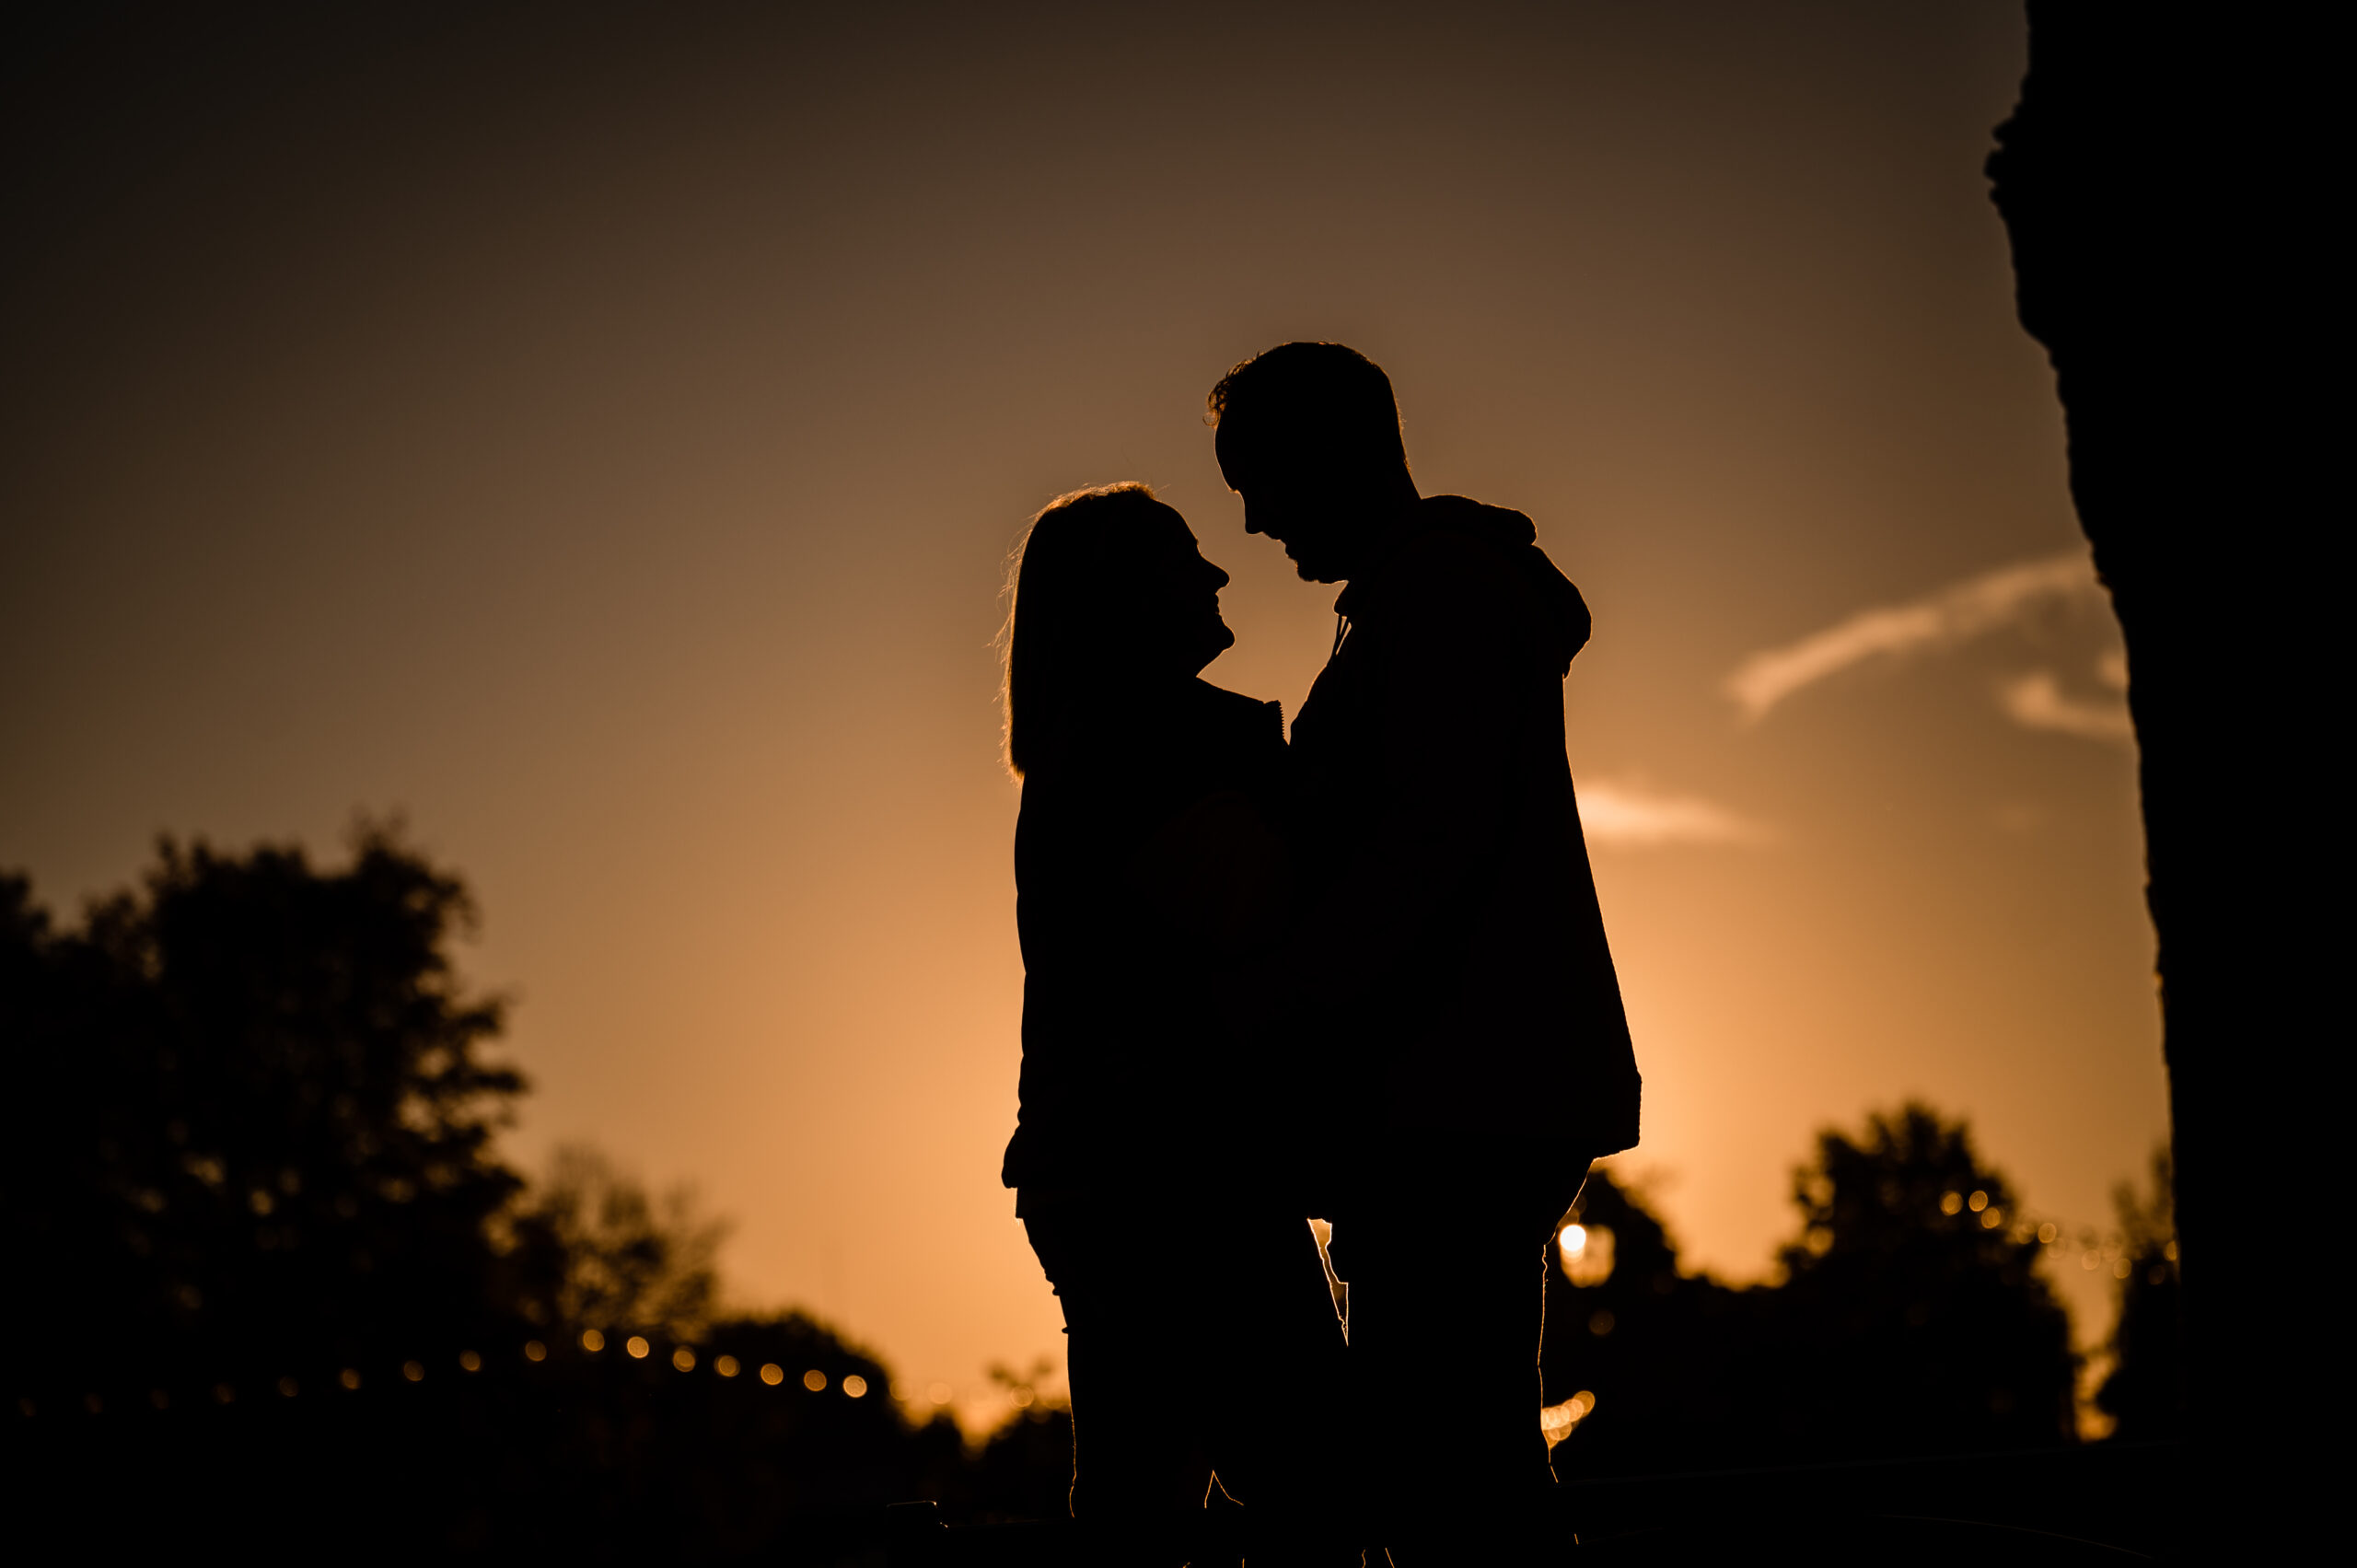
(1952, 615)
(1632, 814)
(2037, 701)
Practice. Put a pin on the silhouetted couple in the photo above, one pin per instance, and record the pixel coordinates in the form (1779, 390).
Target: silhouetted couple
(1362, 977)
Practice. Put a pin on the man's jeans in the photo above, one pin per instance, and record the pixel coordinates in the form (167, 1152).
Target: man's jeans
(1446, 1259)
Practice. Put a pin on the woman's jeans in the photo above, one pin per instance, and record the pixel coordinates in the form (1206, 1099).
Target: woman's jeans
(1202, 1341)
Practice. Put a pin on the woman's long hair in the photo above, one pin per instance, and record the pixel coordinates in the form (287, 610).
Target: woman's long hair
(1062, 617)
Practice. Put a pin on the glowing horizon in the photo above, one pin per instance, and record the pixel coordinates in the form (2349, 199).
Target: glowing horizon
(601, 438)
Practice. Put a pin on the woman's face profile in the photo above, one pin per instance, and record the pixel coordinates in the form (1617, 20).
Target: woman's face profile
(1175, 596)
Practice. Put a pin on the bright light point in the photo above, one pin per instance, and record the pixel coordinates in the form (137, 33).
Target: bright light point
(856, 1387)
(637, 1346)
(2047, 1232)
(349, 1378)
(773, 1373)
(727, 1365)
(415, 1370)
(534, 1351)
(1978, 1200)
(1993, 1218)
(684, 1359)
(814, 1380)
(470, 1362)
(592, 1341)
(1555, 1421)
(1588, 1253)
(1951, 1202)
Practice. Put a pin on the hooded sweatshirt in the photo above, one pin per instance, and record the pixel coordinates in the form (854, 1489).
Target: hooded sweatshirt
(1453, 961)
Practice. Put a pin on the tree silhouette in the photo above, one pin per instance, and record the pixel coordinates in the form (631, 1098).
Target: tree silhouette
(1914, 1313)
(599, 1252)
(2144, 1393)
(269, 1279)
(2178, 282)
(1909, 1319)
(251, 1131)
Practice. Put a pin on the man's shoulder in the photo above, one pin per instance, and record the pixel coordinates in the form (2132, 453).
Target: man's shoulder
(1474, 577)
(1501, 528)
(1440, 571)
(1438, 554)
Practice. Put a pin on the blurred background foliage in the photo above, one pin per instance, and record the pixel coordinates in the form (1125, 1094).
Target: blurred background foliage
(270, 1273)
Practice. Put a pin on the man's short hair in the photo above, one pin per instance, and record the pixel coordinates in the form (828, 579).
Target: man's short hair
(1318, 399)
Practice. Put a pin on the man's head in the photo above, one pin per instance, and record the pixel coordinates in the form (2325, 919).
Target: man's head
(1309, 437)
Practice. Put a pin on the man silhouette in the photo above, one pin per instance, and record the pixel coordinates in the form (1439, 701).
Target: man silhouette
(1456, 1000)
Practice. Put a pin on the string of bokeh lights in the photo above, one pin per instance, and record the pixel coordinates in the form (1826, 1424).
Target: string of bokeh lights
(684, 1358)
(1587, 1260)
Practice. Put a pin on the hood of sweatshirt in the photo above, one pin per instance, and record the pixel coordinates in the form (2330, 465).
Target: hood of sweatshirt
(1557, 625)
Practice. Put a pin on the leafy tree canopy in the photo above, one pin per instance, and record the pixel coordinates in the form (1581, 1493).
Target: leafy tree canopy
(252, 1116)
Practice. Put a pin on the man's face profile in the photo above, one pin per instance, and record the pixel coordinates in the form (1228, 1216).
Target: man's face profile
(1306, 507)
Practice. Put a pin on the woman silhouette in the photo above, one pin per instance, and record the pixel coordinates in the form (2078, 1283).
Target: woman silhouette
(1150, 1156)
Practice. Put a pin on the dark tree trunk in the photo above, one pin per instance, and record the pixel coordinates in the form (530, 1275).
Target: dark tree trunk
(2162, 182)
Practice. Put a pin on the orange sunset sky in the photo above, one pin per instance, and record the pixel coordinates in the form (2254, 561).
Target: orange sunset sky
(598, 432)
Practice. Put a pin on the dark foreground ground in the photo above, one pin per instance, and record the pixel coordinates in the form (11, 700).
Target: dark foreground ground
(471, 1469)
(2104, 1503)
